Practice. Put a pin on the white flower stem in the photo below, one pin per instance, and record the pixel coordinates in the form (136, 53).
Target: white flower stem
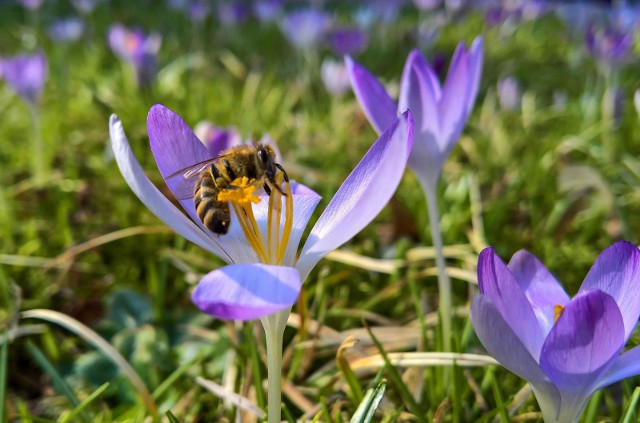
(444, 283)
(274, 325)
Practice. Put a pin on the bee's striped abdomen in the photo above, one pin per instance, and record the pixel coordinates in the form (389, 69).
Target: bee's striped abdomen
(214, 214)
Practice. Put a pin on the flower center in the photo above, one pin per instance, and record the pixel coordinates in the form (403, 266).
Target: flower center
(241, 195)
(557, 311)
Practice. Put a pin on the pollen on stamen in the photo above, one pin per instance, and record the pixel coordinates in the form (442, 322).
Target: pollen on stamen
(240, 192)
(557, 311)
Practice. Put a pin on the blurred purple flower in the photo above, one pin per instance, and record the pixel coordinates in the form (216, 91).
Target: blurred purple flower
(32, 4)
(566, 349)
(256, 282)
(348, 41)
(233, 13)
(335, 77)
(26, 74)
(427, 4)
(268, 10)
(440, 112)
(66, 30)
(608, 44)
(509, 94)
(198, 10)
(138, 49)
(215, 138)
(85, 6)
(305, 28)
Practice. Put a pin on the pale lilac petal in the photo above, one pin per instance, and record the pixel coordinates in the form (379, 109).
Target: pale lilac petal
(583, 343)
(416, 94)
(499, 285)
(453, 105)
(362, 195)
(379, 108)
(502, 343)
(616, 271)
(175, 147)
(247, 291)
(149, 194)
(542, 290)
(476, 57)
(626, 365)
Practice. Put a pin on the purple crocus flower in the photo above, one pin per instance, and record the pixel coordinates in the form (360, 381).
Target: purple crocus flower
(268, 10)
(25, 74)
(32, 4)
(215, 138)
(66, 30)
(257, 282)
(305, 28)
(85, 6)
(608, 44)
(566, 348)
(509, 94)
(233, 14)
(440, 112)
(335, 77)
(348, 41)
(136, 48)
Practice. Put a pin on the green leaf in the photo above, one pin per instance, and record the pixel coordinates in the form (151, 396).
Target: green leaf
(85, 403)
(367, 408)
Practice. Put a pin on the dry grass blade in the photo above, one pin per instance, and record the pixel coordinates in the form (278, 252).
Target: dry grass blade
(296, 397)
(230, 397)
(422, 359)
(70, 253)
(43, 262)
(97, 341)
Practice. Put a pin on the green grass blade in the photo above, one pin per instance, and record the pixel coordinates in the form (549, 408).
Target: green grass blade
(58, 382)
(367, 408)
(501, 407)
(85, 403)
(255, 363)
(396, 378)
(4, 355)
(591, 412)
(631, 415)
(171, 417)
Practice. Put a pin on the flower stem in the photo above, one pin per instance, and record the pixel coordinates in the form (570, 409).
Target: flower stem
(444, 283)
(274, 325)
(37, 155)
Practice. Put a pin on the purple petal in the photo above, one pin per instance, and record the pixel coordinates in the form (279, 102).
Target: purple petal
(503, 344)
(617, 272)
(247, 291)
(417, 95)
(379, 108)
(175, 147)
(453, 106)
(583, 343)
(26, 74)
(476, 57)
(627, 365)
(149, 194)
(500, 286)
(362, 195)
(542, 290)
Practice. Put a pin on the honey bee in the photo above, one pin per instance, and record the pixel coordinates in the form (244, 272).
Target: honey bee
(203, 181)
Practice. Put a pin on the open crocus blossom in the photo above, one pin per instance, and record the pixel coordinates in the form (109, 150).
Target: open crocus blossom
(565, 348)
(439, 112)
(264, 272)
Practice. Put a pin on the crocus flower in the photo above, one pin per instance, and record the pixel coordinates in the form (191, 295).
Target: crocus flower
(304, 28)
(215, 138)
(85, 6)
(32, 4)
(566, 348)
(608, 44)
(268, 10)
(348, 41)
(334, 76)
(66, 30)
(262, 279)
(26, 75)
(440, 112)
(509, 94)
(233, 14)
(136, 48)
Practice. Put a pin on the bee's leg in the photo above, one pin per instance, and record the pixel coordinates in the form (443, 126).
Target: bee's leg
(286, 178)
(267, 189)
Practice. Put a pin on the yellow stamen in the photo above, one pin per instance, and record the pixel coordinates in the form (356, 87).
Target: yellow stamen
(557, 311)
(241, 196)
(241, 192)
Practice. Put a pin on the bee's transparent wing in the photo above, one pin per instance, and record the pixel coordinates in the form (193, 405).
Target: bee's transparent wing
(182, 182)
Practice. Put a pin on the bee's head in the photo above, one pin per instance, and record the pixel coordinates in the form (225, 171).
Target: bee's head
(267, 156)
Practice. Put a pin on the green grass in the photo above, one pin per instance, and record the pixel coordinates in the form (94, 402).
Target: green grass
(507, 184)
